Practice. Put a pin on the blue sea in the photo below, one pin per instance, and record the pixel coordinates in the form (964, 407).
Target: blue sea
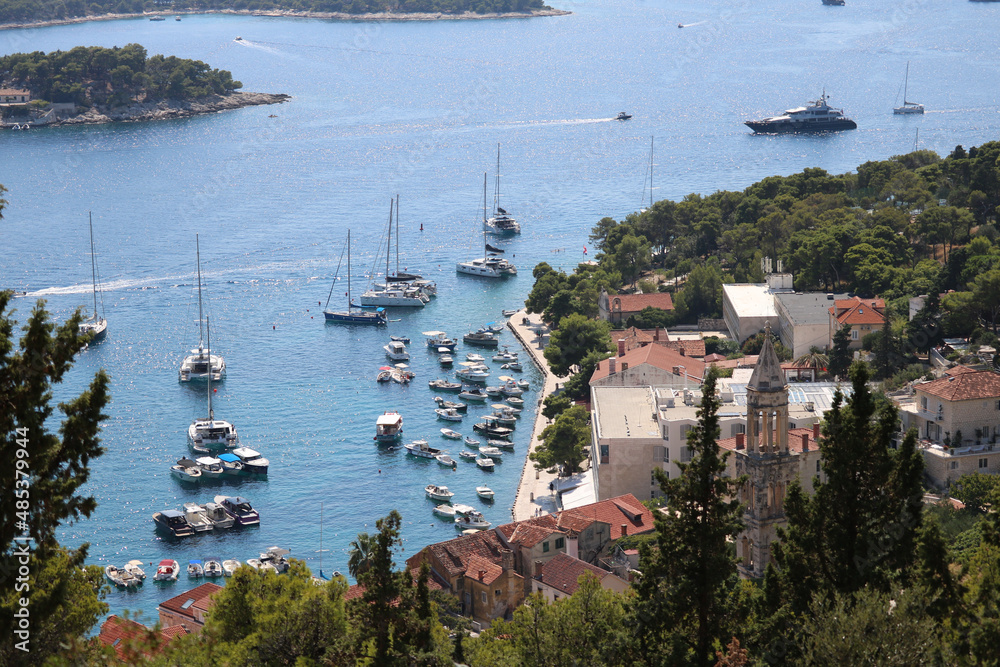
(415, 109)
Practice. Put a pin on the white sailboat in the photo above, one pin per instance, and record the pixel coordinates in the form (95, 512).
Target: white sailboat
(491, 264)
(94, 326)
(501, 222)
(908, 107)
(394, 292)
(351, 316)
(200, 363)
(208, 434)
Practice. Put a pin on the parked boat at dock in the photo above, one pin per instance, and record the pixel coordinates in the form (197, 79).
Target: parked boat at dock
(389, 427)
(167, 570)
(173, 523)
(239, 509)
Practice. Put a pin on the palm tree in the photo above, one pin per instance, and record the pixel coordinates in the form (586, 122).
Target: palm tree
(360, 553)
(815, 359)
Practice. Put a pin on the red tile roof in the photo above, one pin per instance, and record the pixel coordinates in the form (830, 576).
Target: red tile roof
(528, 535)
(617, 511)
(715, 356)
(490, 571)
(454, 554)
(859, 311)
(634, 303)
(635, 338)
(199, 597)
(563, 572)
(795, 441)
(964, 386)
(174, 631)
(656, 356)
(116, 632)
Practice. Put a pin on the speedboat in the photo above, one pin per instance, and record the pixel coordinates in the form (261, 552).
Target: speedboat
(218, 516)
(421, 449)
(473, 519)
(491, 452)
(509, 313)
(389, 427)
(473, 372)
(523, 384)
(475, 357)
(435, 492)
(230, 566)
(211, 468)
(484, 492)
(275, 558)
(173, 522)
(195, 569)
(450, 405)
(481, 338)
(493, 391)
(485, 463)
(167, 570)
(134, 567)
(472, 442)
(445, 460)
(511, 389)
(467, 455)
(239, 509)
(231, 464)
(515, 401)
(446, 360)
(186, 470)
(196, 517)
(396, 351)
(817, 117)
(213, 567)
(436, 339)
(445, 510)
(400, 339)
(623, 116)
(252, 461)
(450, 434)
(513, 366)
(473, 394)
(120, 577)
(444, 385)
(449, 414)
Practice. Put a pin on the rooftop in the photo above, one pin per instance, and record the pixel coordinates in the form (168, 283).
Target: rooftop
(624, 412)
(751, 299)
(116, 632)
(657, 356)
(483, 570)
(807, 308)
(858, 311)
(454, 555)
(197, 598)
(622, 510)
(636, 302)
(563, 573)
(964, 386)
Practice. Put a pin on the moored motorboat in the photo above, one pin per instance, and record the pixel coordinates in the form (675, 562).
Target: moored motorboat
(401, 339)
(445, 510)
(396, 351)
(421, 449)
(513, 366)
(213, 567)
(173, 522)
(493, 391)
(134, 567)
(472, 442)
(195, 569)
(523, 384)
(450, 434)
(389, 427)
(275, 557)
(444, 385)
(436, 339)
(462, 510)
(478, 358)
(167, 570)
(232, 465)
(445, 460)
(484, 492)
(218, 516)
(500, 444)
(253, 462)
(490, 452)
(211, 468)
(230, 566)
(120, 577)
(481, 338)
(473, 372)
(435, 492)
(195, 515)
(467, 455)
(473, 519)
(497, 432)
(384, 375)
(450, 405)
(239, 509)
(509, 313)
(449, 414)
(516, 401)
(186, 470)
(485, 463)
(475, 394)
(446, 360)
(506, 356)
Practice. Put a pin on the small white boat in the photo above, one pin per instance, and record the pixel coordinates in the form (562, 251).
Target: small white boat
(484, 492)
(511, 389)
(445, 510)
(473, 519)
(230, 566)
(472, 442)
(523, 384)
(187, 471)
(232, 466)
(485, 463)
(506, 356)
(421, 449)
(493, 391)
(445, 460)
(167, 570)
(462, 510)
(120, 577)
(459, 407)
(473, 394)
(513, 366)
(472, 356)
(435, 492)
(195, 569)
(446, 360)
(449, 414)
(451, 435)
(254, 563)
(444, 385)
(515, 401)
(384, 375)
(274, 558)
(400, 339)
(253, 462)
(470, 456)
(196, 517)
(211, 467)
(396, 351)
(509, 313)
(213, 567)
(501, 444)
(218, 516)
(134, 567)
(474, 373)
(491, 452)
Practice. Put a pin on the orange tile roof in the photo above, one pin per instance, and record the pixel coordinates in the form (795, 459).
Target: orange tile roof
(476, 564)
(655, 355)
(617, 511)
(634, 303)
(116, 632)
(859, 311)
(454, 554)
(528, 535)
(563, 573)
(964, 386)
(795, 441)
(174, 631)
(199, 597)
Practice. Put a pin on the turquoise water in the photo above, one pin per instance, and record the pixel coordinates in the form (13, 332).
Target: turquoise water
(415, 109)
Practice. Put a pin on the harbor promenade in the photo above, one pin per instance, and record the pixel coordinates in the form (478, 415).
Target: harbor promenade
(534, 494)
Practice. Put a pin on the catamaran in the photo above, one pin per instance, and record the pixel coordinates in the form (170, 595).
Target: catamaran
(491, 265)
(397, 290)
(207, 434)
(501, 222)
(200, 363)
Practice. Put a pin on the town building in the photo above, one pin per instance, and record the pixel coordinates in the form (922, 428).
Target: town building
(560, 577)
(617, 308)
(864, 315)
(684, 344)
(804, 320)
(650, 365)
(124, 634)
(957, 419)
(188, 609)
(14, 96)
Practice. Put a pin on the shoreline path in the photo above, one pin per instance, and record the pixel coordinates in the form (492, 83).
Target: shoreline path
(534, 495)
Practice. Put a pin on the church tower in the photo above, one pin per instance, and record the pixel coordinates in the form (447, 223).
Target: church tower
(765, 460)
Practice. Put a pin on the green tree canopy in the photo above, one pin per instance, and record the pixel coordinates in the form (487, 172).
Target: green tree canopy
(576, 337)
(564, 442)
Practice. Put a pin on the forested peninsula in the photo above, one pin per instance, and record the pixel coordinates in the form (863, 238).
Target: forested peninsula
(18, 13)
(98, 85)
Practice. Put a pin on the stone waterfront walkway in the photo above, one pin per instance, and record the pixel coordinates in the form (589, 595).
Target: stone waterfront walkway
(534, 495)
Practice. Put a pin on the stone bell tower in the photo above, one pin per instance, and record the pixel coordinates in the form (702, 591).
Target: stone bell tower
(765, 460)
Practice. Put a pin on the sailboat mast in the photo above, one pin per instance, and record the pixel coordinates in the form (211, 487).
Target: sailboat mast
(906, 82)
(211, 414)
(93, 261)
(397, 234)
(496, 197)
(484, 199)
(201, 330)
(348, 270)
(651, 172)
(388, 245)
(321, 539)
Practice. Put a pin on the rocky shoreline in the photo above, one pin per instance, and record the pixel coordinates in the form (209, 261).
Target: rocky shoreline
(167, 109)
(289, 13)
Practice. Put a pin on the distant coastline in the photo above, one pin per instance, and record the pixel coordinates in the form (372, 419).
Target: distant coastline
(288, 13)
(169, 109)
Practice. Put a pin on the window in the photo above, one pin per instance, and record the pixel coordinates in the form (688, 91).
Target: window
(496, 593)
(666, 432)
(660, 453)
(685, 454)
(482, 596)
(560, 542)
(954, 465)
(854, 334)
(923, 403)
(984, 463)
(817, 465)
(605, 454)
(545, 547)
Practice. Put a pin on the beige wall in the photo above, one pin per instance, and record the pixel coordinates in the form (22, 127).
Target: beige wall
(964, 416)
(609, 582)
(492, 601)
(943, 467)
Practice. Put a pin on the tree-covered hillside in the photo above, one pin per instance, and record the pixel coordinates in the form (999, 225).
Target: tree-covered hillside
(48, 10)
(96, 76)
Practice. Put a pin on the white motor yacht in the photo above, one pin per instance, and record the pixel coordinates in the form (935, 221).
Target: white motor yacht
(485, 463)
(275, 556)
(435, 492)
(491, 452)
(186, 470)
(213, 567)
(421, 449)
(134, 567)
(211, 468)
(396, 351)
(473, 519)
(196, 517)
(230, 566)
(218, 516)
(252, 461)
(484, 492)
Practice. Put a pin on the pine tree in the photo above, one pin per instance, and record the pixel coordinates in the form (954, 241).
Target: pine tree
(840, 355)
(884, 352)
(681, 600)
(859, 527)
